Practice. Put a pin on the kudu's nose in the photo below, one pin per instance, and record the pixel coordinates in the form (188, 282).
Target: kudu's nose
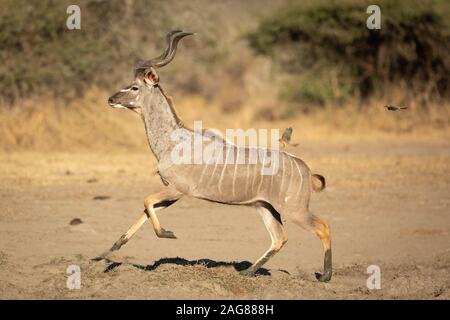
(111, 101)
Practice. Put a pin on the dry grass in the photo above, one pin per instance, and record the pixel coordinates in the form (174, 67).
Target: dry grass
(88, 123)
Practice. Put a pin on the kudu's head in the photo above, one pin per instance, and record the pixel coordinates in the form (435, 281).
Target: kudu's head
(146, 78)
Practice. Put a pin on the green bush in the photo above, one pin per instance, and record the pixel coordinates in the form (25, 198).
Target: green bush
(40, 55)
(322, 41)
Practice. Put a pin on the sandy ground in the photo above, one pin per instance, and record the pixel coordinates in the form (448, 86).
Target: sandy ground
(387, 202)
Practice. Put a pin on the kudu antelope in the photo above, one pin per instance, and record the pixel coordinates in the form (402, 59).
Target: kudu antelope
(285, 193)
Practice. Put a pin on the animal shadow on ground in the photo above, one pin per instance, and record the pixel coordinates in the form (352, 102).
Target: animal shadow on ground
(208, 263)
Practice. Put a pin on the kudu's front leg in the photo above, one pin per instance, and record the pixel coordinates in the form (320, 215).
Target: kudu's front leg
(155, 201)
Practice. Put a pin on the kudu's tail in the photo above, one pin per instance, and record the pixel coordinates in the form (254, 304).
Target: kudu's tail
(318, 182)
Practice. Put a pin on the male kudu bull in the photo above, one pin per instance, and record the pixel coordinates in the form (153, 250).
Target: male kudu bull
(285, 192)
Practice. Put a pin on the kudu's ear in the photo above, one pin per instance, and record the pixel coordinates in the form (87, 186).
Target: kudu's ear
(151, 76)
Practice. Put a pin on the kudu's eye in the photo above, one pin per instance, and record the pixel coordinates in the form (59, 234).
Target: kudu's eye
(134, 88)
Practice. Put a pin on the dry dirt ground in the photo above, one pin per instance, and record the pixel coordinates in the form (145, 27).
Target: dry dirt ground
(387, 202)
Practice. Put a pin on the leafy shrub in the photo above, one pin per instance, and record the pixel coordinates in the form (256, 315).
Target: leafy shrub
(39, 54)
(320, 42)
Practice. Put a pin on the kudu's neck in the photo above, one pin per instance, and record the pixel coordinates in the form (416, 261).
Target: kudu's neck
(160, 121)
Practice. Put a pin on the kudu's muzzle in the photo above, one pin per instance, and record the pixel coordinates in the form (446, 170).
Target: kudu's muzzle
(119, 100)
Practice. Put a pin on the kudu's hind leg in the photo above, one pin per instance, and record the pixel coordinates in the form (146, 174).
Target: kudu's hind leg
(322, 230)
(272, 221)
(159, 200)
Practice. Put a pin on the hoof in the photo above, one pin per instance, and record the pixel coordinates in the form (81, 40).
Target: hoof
(102, 256)
(247, 272)
(323, 277)
(96, 259)
(166, 234)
